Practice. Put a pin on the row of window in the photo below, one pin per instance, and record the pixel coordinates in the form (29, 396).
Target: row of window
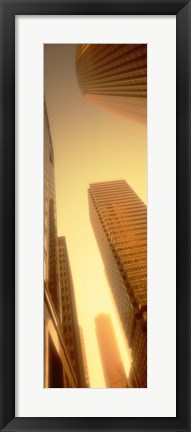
(141, 296)
(64, 290)
(67, 329)
(66, 308)
(133, 269)
(139, 260)
(69, 341)
(65, 298)
(138, 277)
(67, 318)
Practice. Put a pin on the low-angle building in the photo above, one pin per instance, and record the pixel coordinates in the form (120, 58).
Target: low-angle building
(58, 370)
(63, 363)
(70, 326)
(119, 220)
(114, 77)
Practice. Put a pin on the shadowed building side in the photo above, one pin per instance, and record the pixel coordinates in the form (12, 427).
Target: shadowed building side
(58, 369)
(70, 327)
(114, 77)
(119, 221)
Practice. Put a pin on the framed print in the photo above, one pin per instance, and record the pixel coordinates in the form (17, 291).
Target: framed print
(94, 124)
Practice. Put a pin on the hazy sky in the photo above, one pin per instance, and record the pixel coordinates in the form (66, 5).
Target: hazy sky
(90, 145)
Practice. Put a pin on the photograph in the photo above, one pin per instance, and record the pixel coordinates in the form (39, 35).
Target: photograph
(95, 216)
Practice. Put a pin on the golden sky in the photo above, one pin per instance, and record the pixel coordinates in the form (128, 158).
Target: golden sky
(90, 145)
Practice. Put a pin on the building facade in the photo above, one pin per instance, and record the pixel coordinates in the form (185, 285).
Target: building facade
(119, 221)
(51, 262)
(58, 368)
(63, 362)
(70, 327)
(114, 77)
(113, 369)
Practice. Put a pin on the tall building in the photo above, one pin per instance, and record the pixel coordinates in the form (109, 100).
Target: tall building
(51, 262)
(114, 77)
(58, 367)
(119, 220)
(70, 327)
(114, 372)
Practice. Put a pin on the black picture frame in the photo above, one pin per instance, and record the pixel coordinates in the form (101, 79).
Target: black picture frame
(8, 11)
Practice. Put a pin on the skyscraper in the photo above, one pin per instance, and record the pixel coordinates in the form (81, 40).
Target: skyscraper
(51, 263)
(119, 220)
(114, 77)
(58, 368)
(70, 327)
(114, 372)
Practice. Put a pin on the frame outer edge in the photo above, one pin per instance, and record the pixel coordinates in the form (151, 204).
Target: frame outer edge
(1, 221)
(189, 228)
(7, 217)
(6, 416)
(183, 214)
